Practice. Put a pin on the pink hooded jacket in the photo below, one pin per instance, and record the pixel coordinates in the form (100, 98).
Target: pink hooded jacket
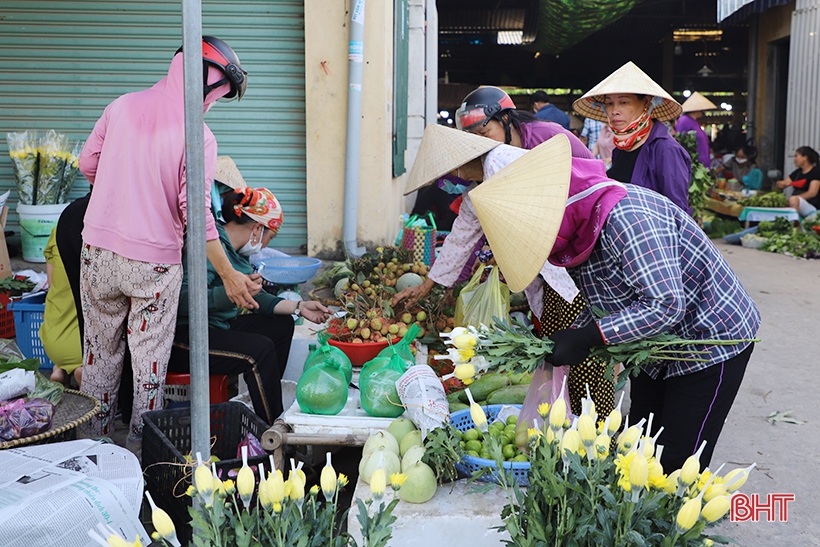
(135, 158)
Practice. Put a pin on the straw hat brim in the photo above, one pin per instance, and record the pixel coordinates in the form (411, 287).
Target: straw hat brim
(697, 103)
(443, 149)
(627, 79)
(521, 207)
(228, 173)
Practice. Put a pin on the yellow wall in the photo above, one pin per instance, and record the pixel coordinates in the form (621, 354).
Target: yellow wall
(775, 24)
(380, 200)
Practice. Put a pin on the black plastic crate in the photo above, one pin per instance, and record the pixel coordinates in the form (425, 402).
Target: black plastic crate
(166, 438)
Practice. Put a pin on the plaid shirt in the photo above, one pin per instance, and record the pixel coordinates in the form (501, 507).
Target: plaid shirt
(591, 130)
(655, 271)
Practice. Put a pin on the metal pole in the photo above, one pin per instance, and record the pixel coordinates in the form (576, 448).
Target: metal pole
(355, 57)
(197, 261)
(751, 81)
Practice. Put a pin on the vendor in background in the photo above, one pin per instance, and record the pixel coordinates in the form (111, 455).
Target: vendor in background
(693, 108)
(741, 164)
(645, 154)
(255, 343)
(60, 330)
(605, 145)
(802, 186)
(548, 112)
(131, 267)
(652, 270)
(553, 298)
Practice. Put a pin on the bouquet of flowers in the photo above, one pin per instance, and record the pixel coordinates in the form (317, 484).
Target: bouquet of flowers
(589, 488)
(44, 168)
(270, 511)
(512, 347)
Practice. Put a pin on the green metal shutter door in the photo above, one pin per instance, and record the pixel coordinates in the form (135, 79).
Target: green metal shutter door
(63, 62)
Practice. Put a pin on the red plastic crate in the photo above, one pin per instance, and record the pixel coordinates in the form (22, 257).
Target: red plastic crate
(6, 316)
(177, 386)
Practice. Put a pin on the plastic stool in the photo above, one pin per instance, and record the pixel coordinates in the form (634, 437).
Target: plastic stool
(218, 387)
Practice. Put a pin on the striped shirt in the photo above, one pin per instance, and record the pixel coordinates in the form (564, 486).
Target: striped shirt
(654, 271)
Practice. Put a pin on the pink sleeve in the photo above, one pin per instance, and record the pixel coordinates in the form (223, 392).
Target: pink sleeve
(457, 246)
(210, 171)
(90, 155)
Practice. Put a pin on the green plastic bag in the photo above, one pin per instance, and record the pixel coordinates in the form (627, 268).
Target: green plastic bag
(322, 389)
(479, 302)
(402, 347)
(379, 395)
(326, 353)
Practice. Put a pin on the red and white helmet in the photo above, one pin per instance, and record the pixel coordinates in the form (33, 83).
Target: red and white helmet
(482, 105)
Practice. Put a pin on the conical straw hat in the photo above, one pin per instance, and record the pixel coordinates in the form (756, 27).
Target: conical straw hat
(627, 79)
(228, 173)
(443, 149)
(521, 207)
(697, 103)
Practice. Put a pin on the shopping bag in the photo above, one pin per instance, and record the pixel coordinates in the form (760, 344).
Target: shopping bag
(419, 238)
(544, 388)
(479, 302)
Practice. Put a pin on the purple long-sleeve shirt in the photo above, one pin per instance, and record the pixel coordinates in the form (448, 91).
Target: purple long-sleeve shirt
(687, 123)
(664, 166)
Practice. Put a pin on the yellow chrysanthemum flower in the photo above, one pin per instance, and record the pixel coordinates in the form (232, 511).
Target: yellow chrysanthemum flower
(544, 410)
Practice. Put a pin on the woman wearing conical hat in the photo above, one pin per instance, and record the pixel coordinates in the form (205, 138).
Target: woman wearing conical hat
(553, 297)
(645, 264)
(645, 154)
(693, 109)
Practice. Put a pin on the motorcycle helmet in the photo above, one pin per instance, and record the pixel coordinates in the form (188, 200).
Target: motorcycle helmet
(217, 53)
(482, 105)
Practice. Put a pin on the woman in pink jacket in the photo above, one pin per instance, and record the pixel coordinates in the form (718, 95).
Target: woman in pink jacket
(131, 261)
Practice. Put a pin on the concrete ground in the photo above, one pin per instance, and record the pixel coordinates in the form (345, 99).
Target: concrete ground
(781, 376)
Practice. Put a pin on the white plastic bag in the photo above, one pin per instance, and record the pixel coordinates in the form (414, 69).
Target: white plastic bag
(16, 382)
(423, 397)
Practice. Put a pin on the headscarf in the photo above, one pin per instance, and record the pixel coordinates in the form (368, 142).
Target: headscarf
(591, 197)
(261, 205)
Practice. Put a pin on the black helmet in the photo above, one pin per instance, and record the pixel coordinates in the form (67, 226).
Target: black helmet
(482, 105)
(217, 53)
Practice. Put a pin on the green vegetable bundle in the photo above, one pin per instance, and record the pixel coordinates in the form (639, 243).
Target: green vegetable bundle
(771, 199)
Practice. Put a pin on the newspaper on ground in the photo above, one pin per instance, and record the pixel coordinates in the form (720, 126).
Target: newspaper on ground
(53, 494)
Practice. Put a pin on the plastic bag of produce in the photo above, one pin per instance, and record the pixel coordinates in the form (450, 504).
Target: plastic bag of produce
(23, 150)
(479, 302)
(322, 389)
(545, 387)
(53, 156)
(46, 389)
(20, 419)
(402, 347)
(325, 353)
(379, 395)
(16, 382)
(422, 394)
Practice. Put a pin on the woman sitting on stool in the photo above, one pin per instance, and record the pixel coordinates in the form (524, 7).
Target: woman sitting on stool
(255, 344)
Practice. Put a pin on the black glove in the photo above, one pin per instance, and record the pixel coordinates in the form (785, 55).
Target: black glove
(572, 345)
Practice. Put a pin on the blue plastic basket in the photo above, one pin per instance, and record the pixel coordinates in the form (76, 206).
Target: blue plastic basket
(290, 270)
(28, 316)
(462, 421)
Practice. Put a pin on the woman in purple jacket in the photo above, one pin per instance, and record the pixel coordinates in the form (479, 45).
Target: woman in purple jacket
(645, 154)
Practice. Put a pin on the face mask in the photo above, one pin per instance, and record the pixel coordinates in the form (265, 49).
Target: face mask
(741, 161)
(249, 248)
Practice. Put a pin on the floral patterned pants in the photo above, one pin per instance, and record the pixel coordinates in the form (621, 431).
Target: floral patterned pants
(126, 302)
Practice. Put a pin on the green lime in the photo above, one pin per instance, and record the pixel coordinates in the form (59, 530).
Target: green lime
(507, 439)
(520, 458)
(512, 420)
(510, 429)
(485, 455)
(472, 453)
(474, 446)
(508, 451)
(471, 434)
